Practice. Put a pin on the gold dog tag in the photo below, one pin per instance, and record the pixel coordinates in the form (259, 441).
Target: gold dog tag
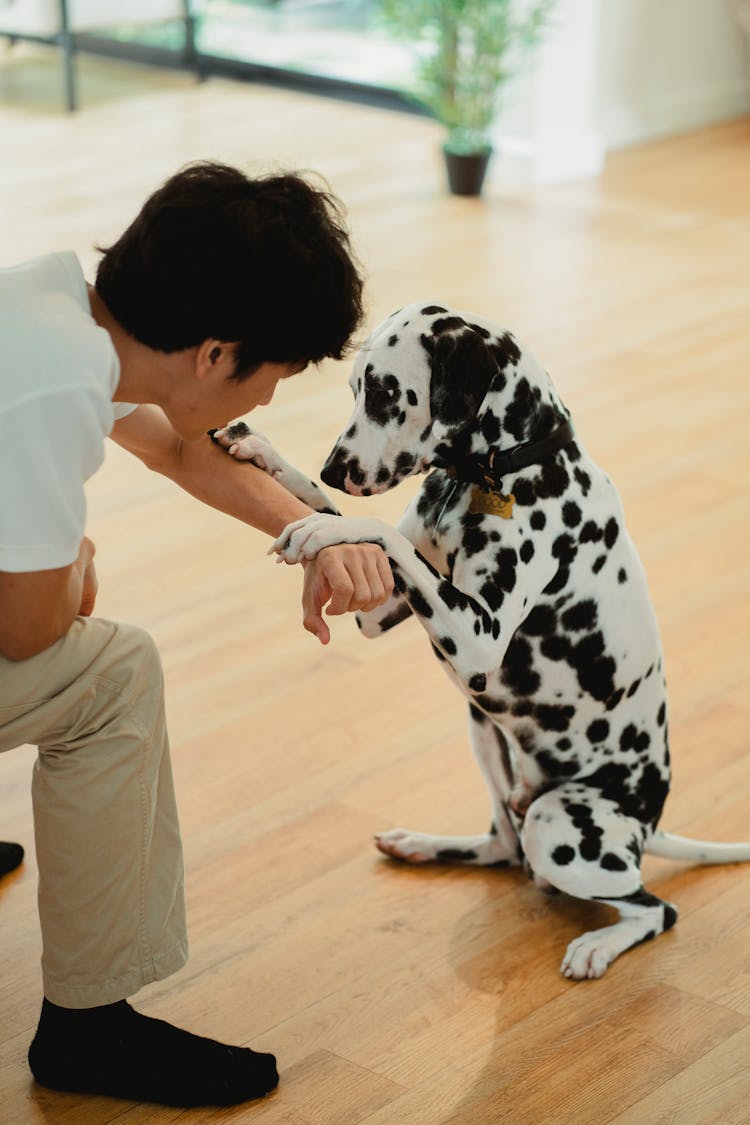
(491, 503)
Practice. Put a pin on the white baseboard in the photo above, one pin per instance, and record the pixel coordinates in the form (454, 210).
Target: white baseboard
(676, 113)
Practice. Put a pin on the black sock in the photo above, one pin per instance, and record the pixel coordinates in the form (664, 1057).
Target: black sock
(114, 1050)
(10, 857)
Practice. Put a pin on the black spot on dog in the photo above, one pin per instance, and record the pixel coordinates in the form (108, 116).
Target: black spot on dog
(642, 798)
(595, 670)
(564, 550)
(506, 351)
(506, 563)
(395, 618)
(411, 397)
(448, 324)
(553, 481)
(611, 531)
(456, 853)
(474, 541)
(431, 310)
(670, 916)
(590, 533)
(598, 731)
(583, 479)
(563, 855)
(527, 551)
(519, 410)
(590, 847)
(541, 622)
(524, 492)
(418, 602)
(598, 564)
(555, 767)
(490, 427)
(612, 862)
(356, 476)
(538, 520)
(555, 648)
(628, 738)
(571, 514)
(518, 672)
(393, 340)
(405, 462)
(613, 700)
(450, 595)
(553, 718)
(493, 705)
(652, 790)
(581, 616)
(478, 682)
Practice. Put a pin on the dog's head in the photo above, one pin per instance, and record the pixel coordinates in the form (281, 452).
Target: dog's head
(420, 382)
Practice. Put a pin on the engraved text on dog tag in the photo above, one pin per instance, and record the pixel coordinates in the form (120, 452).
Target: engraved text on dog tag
(491, 503)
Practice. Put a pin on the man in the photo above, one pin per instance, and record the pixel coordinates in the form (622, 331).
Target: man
(221, 287)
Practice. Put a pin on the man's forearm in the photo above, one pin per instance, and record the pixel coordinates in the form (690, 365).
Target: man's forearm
(238, 489)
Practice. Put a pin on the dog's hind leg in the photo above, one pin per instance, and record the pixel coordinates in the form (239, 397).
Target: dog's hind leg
(584, 845)
(499, 846)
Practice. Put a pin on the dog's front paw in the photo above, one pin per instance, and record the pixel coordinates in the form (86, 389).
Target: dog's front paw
(412, 847)
(305, 538)
(245, 444)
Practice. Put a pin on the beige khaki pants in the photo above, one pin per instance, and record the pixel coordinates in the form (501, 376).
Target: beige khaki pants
(111, 901)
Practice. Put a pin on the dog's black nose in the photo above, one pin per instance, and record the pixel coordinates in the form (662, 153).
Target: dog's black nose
(334, 470)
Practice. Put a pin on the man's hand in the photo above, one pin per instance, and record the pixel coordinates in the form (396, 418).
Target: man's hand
(344, 577)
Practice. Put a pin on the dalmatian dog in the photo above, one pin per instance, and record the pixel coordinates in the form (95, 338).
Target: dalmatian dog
(515, 559)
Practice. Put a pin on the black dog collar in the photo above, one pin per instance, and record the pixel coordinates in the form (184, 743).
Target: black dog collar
(488, 469)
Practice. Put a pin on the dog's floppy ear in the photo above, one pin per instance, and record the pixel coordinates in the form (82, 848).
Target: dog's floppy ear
(462, 367)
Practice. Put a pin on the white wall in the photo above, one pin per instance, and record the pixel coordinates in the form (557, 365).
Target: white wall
(618, 72)
(666, 66)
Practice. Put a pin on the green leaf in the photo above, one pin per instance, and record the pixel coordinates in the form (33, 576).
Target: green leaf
(465, 50)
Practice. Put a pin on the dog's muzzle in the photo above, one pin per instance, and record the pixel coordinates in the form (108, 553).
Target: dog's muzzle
(341, 466)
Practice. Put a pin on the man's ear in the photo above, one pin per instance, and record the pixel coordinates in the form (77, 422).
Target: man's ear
(461, 370)
(215, 357)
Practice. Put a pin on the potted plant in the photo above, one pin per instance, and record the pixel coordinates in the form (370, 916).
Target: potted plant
(465, 51)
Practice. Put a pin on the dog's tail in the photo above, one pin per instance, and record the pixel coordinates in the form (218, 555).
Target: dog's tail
(669, 846)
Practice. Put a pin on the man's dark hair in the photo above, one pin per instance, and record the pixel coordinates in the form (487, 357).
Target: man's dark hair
(214, 254)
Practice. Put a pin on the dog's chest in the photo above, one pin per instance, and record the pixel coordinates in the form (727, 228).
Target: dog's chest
(437, 532)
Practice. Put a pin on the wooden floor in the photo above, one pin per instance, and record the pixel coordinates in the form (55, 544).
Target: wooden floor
(398, 996)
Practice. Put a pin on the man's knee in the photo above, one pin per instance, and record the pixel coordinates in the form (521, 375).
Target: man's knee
(134, 661)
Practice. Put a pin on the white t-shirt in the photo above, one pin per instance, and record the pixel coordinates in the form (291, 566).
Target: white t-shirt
(58, 372)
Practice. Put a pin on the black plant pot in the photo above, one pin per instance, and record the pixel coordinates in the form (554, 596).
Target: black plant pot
(466, 171)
